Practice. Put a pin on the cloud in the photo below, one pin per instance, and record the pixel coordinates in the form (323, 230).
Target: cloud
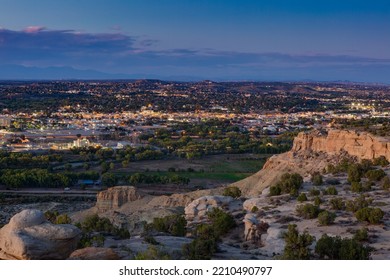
(120, 53)
(34, 29)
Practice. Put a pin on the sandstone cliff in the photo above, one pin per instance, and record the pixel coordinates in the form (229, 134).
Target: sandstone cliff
(312, 151)
(360, 144)
(115, 197)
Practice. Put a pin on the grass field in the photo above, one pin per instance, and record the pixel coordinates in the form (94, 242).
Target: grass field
(207, 172)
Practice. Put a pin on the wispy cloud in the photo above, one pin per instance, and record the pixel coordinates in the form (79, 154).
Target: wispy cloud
(120, 53)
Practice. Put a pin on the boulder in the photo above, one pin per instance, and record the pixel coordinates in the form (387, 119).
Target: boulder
(29, 235)
(113, 198)
(93, 253)
(197, 210)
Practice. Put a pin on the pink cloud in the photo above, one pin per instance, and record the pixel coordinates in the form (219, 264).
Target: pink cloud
(34, 29)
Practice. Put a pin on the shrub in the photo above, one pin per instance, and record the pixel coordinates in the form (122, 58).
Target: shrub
(382, 161)
(359, 187)
(63, 219)
(297, 245)
(152, 253)
(354, 173)
(173, 224)
(337, 203)
(375, 174)
(232, 191)
(335, 248)
(302, 197)
(386, 183)
(55, 218)
(221, 221)
(326, 218)
(330, 191)
(316, 179)
(317, 201)
(93, 224)
(314, 192)
(200, 249)
(361, 235)
(358, 203)
(369, 214)
(288, 183)
(275, 190)
(254, 209)
(308, 211)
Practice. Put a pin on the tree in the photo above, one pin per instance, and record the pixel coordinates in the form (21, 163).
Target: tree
(297, 245)
(354, 173)
(104, 167)
(335, 248)
(109, 180)
(326, 218)
(369, 214)
(173, 224)
(308, 211)
(232, 191)
(222, 222)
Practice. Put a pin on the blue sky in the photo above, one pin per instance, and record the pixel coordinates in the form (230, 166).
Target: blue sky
(237, 40)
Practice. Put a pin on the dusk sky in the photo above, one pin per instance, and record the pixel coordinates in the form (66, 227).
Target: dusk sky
(187, 39)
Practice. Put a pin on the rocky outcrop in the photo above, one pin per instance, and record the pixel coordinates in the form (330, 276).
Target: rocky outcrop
(93, 253)
(363, 145)
(196, 211)
(313, 151)
(113, 198)
(29, 236)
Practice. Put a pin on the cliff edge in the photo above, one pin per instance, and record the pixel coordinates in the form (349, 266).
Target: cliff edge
(312, 151)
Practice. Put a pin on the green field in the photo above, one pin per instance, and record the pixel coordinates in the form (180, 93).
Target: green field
(207, 172)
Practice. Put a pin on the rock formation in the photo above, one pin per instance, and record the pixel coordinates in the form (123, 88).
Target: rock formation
(253, 228)
(28, 235)
(196, 211)
(115, 197)
(93, 253)
(363, 145)
(313, 151)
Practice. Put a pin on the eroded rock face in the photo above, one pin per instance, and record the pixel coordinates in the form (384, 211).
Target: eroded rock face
(360, 144)
(313, 151)
(29, 236)
(93, 253)
(113, 198)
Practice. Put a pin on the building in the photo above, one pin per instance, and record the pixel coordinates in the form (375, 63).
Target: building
(81, 143)
(5, 121)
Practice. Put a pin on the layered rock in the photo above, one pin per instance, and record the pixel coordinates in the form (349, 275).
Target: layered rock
(313, 151)
(113, 198)
(29, 236)
(360, 144)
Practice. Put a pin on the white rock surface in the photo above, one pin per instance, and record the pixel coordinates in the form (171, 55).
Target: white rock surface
(29, 235)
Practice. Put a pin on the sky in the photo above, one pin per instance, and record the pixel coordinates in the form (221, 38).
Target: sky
(277, 40)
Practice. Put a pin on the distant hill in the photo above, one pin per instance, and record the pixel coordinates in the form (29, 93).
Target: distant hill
(18, 72)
